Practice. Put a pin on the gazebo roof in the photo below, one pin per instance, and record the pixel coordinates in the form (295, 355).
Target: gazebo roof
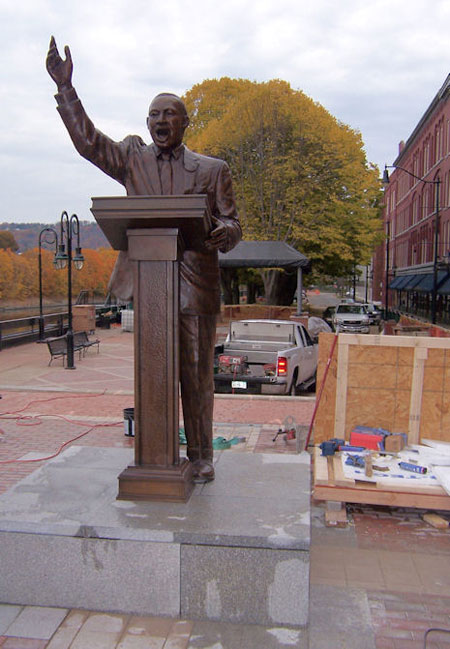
(263, 254)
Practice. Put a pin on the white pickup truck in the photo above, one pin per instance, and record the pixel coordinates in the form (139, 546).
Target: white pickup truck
(265, 357)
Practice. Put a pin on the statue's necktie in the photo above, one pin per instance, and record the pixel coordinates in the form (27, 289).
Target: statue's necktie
(166, 174)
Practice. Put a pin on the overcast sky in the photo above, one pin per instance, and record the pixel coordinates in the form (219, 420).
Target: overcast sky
(374, 65)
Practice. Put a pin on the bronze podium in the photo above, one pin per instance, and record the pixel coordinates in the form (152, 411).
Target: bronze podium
(155, 230)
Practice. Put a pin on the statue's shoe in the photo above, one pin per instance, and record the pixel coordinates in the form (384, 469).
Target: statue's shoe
(203, 471)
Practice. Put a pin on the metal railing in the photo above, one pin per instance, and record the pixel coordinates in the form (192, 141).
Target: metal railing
(23, 330)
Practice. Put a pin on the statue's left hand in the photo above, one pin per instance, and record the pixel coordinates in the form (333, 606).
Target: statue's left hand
(59, 69)
(218, 236)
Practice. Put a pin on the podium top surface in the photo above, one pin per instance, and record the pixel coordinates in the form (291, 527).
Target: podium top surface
(189, 213)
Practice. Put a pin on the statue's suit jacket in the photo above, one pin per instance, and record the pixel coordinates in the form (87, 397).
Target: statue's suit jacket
(134, 164)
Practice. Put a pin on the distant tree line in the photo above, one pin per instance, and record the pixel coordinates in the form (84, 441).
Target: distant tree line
(19, 277)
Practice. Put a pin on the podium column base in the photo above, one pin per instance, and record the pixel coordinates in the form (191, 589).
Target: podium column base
(164, 484)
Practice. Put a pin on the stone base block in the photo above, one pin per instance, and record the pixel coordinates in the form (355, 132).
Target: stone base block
(237, 551)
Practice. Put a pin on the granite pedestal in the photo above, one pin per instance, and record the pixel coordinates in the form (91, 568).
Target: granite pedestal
(238, 551)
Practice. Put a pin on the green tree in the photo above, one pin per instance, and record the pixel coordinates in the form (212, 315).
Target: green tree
(300, 175)
(7, 241)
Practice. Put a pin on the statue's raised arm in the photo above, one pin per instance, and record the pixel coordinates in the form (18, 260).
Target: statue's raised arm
(59, 69)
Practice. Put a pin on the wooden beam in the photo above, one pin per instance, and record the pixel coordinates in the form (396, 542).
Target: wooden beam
(415, 408)
(377, 340)
(377, 496)
(341, 387)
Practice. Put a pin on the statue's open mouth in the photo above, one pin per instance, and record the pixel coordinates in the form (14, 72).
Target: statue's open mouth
(163, 132)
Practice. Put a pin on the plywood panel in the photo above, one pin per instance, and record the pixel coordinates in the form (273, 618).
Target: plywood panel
(401, 412)
(371, 376)
(445, 416)
(404, 375)
(373, 355)
(364, 408)
(437, 357)
(405, 356)
(431, 420)
(385, 384)
(433, 378)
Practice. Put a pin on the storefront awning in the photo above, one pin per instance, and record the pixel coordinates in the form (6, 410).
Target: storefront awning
(412, 282)
(444, 288)
(426, 283)
(399, 281)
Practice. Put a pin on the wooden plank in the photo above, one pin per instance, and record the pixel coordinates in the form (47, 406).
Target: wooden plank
(330, 467)
(378, 340)
(436, 521)
(336, 516)
(320, 467)
(377, 496)
(415, 408)
(339, 476)
(341, 387)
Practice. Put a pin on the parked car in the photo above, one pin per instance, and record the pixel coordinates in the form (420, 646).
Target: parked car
(328, 315)
(266, 357)
(374, 312)
(351, 318)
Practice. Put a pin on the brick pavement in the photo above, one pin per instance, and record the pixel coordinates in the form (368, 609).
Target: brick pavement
(387, 557)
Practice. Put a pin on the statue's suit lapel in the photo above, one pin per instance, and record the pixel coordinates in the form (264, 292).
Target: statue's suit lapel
(185, 177)
(149, 169)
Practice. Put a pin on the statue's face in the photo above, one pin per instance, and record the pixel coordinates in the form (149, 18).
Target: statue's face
(167, 122)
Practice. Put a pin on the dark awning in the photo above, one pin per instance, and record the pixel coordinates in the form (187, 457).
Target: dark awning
(399, 281)
(426, 283)
(444, 288)
(412, 282)
(263, 254)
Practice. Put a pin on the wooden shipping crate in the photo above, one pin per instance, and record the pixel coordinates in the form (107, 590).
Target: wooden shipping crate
(399, 383)
(83, 317)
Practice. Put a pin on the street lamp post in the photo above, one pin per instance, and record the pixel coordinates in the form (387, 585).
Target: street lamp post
(49, 236)
(69, 227)
(437, 184)
(386, 288)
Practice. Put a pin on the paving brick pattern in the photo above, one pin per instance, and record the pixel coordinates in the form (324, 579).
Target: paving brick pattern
(389, 556)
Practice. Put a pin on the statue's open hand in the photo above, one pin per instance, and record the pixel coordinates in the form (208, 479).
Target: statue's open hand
(60, 70)
(218, 237)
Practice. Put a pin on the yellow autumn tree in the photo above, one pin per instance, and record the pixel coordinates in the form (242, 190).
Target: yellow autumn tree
(96, 271)
(299, 175)
(6, 273)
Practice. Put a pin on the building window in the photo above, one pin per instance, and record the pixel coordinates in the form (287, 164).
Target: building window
(415, 209)
(426, 156)
(416, 163)
(424, 203)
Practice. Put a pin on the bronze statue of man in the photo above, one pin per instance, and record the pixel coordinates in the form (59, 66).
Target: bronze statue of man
(167, 167)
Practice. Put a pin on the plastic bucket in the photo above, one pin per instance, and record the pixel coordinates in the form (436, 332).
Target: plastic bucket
(128, 422)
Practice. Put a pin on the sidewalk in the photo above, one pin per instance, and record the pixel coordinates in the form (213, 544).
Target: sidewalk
(379, 583)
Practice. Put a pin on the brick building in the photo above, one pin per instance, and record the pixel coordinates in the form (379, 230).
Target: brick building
(417, 197)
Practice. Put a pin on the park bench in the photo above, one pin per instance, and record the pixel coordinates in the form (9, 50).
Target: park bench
(57, 346)
(81, 340)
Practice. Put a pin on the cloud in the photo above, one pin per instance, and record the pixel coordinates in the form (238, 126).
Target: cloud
(375, 66)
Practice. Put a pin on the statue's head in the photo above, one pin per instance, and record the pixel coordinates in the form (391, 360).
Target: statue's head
(167, 120)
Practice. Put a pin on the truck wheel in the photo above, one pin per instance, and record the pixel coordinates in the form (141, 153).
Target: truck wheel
(293, 390)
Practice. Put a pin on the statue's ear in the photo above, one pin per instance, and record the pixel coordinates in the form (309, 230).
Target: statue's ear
(186, 122)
